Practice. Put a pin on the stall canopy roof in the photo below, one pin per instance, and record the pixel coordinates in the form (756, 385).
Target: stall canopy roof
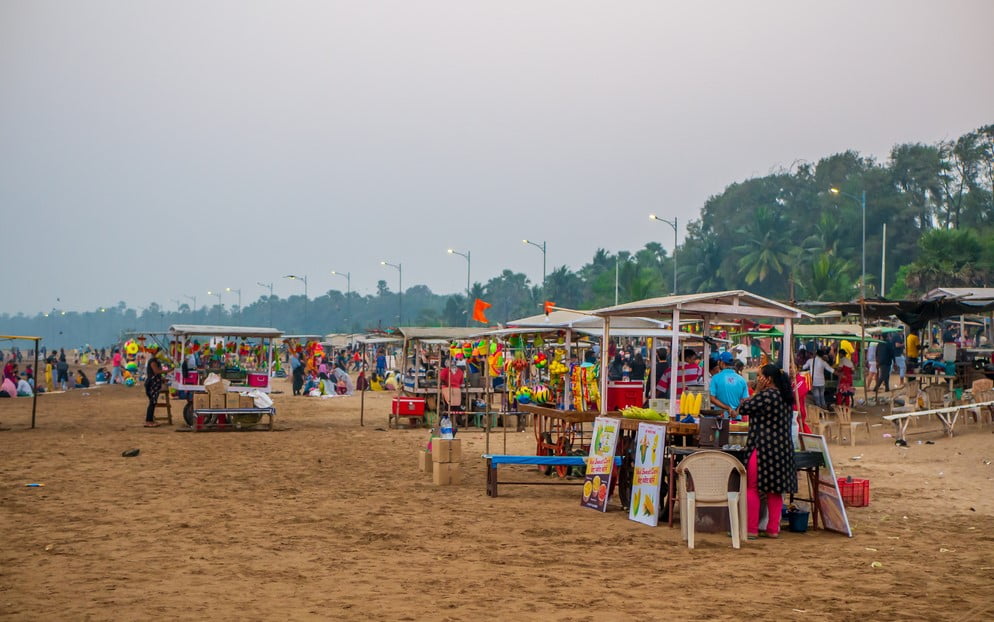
(20, 337)
(815, 331)
(190, 330)
(963, 294)
(917, 313)
(728, 305)
(577, 320)
(440, 332)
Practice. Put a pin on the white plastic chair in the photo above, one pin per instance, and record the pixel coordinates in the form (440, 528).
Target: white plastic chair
(845, 421)
(710, 470)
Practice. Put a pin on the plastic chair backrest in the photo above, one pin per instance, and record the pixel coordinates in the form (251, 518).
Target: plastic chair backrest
(710, 471)
(909, 393)
(844, 413)
(935, 395)
(984, 384)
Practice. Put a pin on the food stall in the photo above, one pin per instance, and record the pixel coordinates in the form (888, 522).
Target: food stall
(240, 355)
(421, 355)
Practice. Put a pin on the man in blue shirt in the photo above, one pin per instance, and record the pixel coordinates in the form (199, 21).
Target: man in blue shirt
(728, 389)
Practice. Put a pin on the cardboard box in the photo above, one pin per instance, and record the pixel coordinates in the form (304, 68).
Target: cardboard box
(446, 450)
(447, 474)
(245, 401)
(201, 401)
(217, 400)
(231, 400)
(424, 461)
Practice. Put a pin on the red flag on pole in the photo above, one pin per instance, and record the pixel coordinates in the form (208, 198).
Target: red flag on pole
(479, 308)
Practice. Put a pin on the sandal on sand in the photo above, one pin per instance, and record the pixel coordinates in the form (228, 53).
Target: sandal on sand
(151, 424)
(752, 536)
(766, 534)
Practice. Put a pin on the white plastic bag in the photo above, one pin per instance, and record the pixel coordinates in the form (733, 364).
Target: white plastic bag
(262, 400)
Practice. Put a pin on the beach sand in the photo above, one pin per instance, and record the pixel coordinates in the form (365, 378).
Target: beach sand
(324, 519)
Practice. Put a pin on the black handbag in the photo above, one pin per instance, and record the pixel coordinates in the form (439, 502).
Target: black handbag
(713, 432)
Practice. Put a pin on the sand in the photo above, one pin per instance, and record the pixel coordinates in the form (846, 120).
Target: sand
(325, 519)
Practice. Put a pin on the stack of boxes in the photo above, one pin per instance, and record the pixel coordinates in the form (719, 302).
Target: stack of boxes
(446, 455)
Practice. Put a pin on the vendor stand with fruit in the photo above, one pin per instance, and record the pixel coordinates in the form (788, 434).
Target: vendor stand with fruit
(241, 356)
(707, 308)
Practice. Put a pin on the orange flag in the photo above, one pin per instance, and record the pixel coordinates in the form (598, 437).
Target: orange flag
(548, 306)
(479, 307)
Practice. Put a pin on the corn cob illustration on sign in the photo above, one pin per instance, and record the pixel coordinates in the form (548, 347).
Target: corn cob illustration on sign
(600, 464)
(650, 445)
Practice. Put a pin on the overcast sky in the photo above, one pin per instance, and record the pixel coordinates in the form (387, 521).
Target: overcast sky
(154, 150)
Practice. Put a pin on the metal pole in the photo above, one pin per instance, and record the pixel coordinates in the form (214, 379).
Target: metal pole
(34, 399)
(862, 285)
(883, 263)
(674, 254)
(400, 286)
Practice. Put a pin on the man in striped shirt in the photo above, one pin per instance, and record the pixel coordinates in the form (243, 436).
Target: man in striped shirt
(689, 373)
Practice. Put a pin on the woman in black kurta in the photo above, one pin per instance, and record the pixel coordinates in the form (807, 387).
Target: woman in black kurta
(153, 386)
(770, 470)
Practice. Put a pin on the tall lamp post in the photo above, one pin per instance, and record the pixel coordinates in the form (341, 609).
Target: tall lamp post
(540, 247)
(862, 285)
(468, 266)
(862, 203)
(673, 223)
(220, 306)
(270, 286)
(400, 288)
(239, 292)
(294, 277)
(348, 298)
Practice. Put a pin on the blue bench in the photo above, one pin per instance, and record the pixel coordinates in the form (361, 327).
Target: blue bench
(495, 460)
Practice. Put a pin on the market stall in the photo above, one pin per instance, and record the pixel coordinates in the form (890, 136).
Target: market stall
(240, 356)
(422, 353)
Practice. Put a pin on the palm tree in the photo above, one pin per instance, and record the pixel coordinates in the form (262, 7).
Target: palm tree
(765, 251)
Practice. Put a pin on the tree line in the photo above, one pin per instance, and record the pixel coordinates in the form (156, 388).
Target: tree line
(786, 235)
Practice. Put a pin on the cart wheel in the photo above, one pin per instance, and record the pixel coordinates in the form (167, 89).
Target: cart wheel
(188, 414)
(565, 449)
(547, 451)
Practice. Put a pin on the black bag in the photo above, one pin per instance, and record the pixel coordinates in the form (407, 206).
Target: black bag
(713, 432)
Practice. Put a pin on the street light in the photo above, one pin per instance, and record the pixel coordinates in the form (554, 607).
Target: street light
(348, 301)
(673, 223)
(540, 247)
(294, 277)
(220, 305)
(400, 287)
(270, 286)
(862, 203)
(468, 265)
(239, 292)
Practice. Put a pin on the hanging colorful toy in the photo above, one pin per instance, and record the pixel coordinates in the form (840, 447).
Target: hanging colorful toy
(540, 360)
(541, 395)
(523, 395)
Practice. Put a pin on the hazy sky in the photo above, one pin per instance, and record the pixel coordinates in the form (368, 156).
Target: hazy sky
(152, 150)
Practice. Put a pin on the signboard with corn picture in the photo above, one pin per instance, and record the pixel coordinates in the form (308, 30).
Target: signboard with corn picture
(600, 464)
(650, 445)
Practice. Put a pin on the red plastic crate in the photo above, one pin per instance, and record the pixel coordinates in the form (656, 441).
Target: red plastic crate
(408, 406)
(621, 394)
(855, 491)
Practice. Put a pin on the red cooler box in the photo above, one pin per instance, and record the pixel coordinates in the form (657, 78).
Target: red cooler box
(408, 406)
(621, 394)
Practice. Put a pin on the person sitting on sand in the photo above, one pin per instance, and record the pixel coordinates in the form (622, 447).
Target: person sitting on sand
(24, 387)
(312, 383)
(327, 385)
(82, 382)
(102, 376)
(375, 383)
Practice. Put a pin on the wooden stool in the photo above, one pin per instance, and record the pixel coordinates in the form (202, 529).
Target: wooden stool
(164, 403)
